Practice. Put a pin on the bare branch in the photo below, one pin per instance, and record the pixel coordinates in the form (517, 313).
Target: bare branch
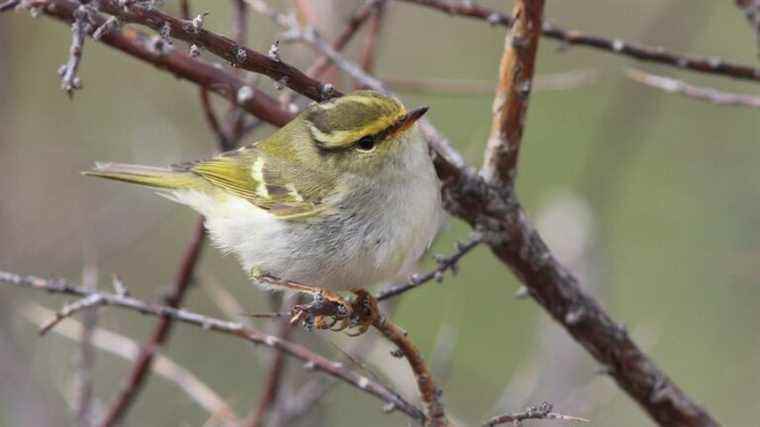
(680, 87)
(79, 29)
(715, 66)
(128, 349)
(9, 5)
(510, 103)
(542, 412)
(311, 360)
(505, 227)
(444, 264)
(142, 366)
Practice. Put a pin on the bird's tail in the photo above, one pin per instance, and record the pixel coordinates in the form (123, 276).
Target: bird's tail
(146, 175)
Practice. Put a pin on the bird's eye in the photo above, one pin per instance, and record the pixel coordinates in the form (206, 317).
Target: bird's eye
(367, 143)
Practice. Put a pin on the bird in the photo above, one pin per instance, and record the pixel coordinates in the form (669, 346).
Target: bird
(342, 197)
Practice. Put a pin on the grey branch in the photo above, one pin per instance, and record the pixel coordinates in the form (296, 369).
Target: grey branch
(541, 412)
(680, 87)
(312, 360)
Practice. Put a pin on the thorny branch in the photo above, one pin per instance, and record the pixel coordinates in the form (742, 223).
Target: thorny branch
(79, 29)
(510, 103)
(542, 412)
(680, 87)
(312, 360)
(659, 55)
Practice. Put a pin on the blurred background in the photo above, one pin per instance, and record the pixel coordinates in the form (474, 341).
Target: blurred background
(652, 198)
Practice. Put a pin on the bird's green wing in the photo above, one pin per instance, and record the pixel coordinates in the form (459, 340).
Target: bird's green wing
(268, 182)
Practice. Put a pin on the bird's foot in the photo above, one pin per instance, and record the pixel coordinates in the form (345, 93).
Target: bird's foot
(327, 310)
(330, 311)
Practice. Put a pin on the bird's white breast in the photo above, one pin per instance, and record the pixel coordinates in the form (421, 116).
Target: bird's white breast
(377, 233)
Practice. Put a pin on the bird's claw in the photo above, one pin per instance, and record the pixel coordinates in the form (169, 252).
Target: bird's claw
(330, 311)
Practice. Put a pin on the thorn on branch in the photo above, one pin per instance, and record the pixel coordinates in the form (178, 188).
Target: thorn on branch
(195, 51)
(274, 51)
(197, 22)
(119, 287)
(70, 81)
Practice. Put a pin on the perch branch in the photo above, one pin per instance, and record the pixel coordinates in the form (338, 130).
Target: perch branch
(543, 412)
(430, 393)
(369, 51)
(510, 103)
(311, 360)
(142, 366)
(680, 87)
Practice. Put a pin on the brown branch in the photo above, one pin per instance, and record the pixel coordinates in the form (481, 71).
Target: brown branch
(430, 393)
(142, 366)
(135, 44)
(510, 103)
(444, 264)
(680, 87)
(312, 360)
(223, 47)
(235, 117)
(542, 412)
(658, 55)
(506, 229)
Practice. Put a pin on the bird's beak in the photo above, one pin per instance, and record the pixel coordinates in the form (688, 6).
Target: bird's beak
(412, 116)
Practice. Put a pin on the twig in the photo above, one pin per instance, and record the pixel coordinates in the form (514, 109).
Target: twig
(142, 366)
(430, 393)
(658, 55)
(128, 349)
(444, 264)
(556, 81)
(205, 75)
(312, 360)
(69, 310)
(510, 103)
(680, 87)
(542, 412)
(79, 29)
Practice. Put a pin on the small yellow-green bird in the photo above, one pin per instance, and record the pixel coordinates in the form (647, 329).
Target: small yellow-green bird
(345, 195)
